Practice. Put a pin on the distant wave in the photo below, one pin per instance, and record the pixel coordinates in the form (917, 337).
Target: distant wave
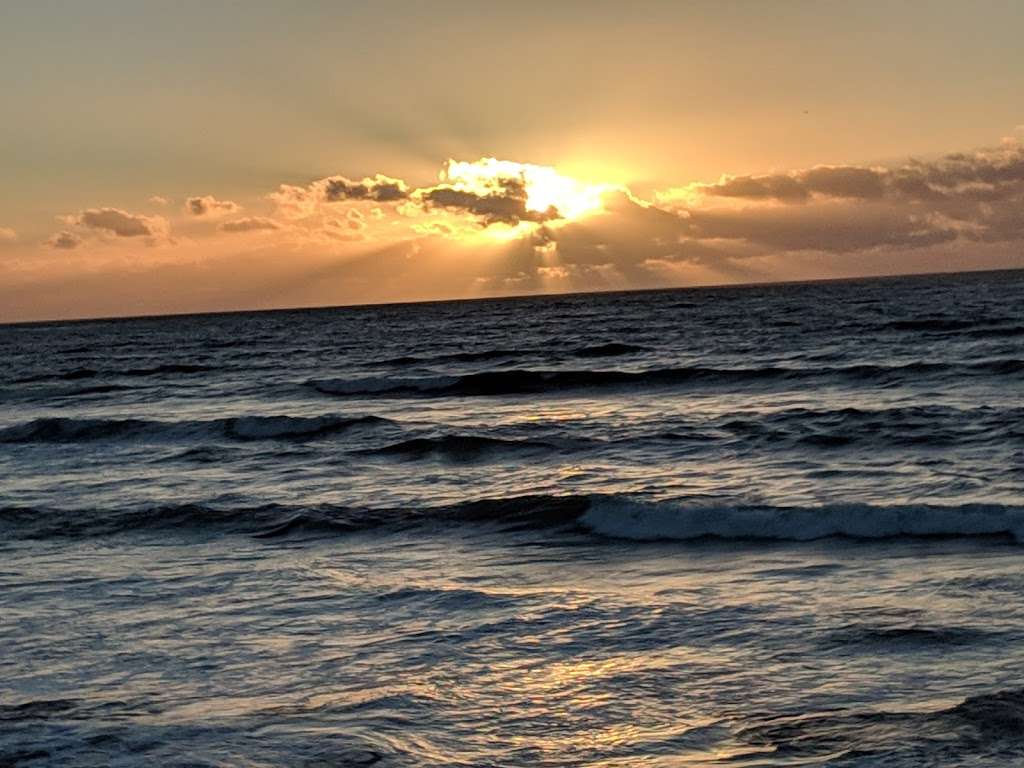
(907, 636)
(527, 381)
(611, 349)
(1001, 332)
(608, 517)
(72, 430)
(935, 324)
(978, 327)
(931, 425)
(76, 374)
(456, 446)
(453, 357)
(275, 520)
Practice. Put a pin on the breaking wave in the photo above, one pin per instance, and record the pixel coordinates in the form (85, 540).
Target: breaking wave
(528, 381)
(609, 517)
(643, 521)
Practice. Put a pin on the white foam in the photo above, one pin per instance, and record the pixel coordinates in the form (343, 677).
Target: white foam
(643, 521)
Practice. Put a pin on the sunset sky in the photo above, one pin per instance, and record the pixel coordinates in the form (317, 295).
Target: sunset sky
(197, 156)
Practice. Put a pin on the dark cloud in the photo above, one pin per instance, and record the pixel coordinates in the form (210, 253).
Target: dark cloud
(828, 227)
(64, 241)
(249, 224)
(971, 197)
(827, 218)
(121, 223)
(785, 188)
(506, 204)
(380, 188)
(800, 186)
(208, 204)
(986, 175)
(844, 181)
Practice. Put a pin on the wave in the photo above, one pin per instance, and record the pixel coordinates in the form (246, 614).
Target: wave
(453, 357)
(456, 447)
(607, 517)
(76, 374)
(622, 518)
(986, 729)
(611, 349)
(380, 385)
(526, 381)
(294, 427)
(36, 710)
(72, 430)
(269, 521)
(923, 425)
(96, 389)
(1001, 712)
(910, 636)
(934, 324)
(1001, 332)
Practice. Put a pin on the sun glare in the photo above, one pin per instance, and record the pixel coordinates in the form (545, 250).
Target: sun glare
(545, 187)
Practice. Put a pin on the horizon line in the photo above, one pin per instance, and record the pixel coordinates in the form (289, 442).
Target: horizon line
(509, 297)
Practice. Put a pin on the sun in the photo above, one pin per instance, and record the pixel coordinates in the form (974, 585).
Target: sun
(544, 187)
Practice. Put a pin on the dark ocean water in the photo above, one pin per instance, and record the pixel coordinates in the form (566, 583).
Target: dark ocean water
(757, 526)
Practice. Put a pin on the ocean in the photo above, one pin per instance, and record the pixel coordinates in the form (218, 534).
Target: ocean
(743, 526)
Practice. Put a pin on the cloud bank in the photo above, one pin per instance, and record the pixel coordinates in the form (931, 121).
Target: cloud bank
(492, 226)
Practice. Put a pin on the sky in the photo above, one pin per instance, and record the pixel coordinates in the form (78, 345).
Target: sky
(199, 156)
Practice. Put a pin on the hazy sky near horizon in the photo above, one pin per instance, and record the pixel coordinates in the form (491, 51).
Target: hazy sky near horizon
(189, 156)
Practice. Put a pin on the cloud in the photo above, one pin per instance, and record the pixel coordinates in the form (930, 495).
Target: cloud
(492, 226)
(382, 189)
(294, 202)
(840, 181)
(502, 192)
(7, 234)
(355, 219)
(64, 241)
(832, 228)
(542, 229)
(984, 175)
(507, 206)
(249, 224)
(966, 197)
(159, 200)
(121, 223)
(208, 205)
(489, 190)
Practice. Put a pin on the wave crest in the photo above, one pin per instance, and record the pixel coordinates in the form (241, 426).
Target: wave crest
(72, 430)
(607, 517)
(523, 381)
(642, 521)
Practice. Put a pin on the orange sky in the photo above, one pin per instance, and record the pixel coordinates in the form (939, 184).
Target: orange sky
(196, 157)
